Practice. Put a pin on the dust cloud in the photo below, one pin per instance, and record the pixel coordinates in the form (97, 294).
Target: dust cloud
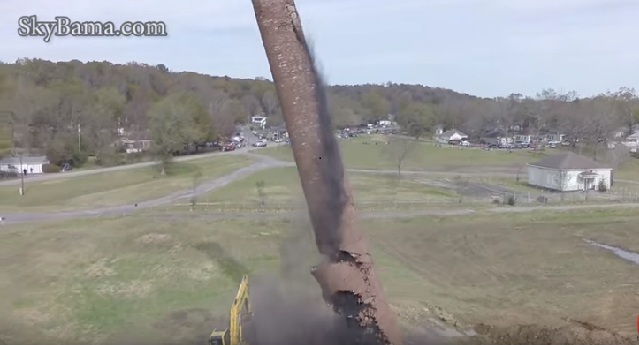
(287, 305)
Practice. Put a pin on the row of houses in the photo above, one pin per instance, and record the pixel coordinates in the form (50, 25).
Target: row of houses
(454, 136)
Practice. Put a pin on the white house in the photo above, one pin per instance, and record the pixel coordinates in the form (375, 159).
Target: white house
(33, 165)
(524, 138)
(632, 140)
(554, 137)
(259, 120)
(569, 172)
(451, 135)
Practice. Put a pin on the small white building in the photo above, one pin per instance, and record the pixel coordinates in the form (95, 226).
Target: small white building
(569, 172)
(451, 136)
(259, 120)
(33, 165)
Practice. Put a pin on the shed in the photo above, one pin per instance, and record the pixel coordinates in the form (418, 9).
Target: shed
(569, 172)
(33, 165)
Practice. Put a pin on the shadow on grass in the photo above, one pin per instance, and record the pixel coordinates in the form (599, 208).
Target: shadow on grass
(230, 267)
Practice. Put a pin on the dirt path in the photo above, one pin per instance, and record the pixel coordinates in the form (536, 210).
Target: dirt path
(262, 163)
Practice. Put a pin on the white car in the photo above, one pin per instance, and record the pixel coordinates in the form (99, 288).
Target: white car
(261, 143)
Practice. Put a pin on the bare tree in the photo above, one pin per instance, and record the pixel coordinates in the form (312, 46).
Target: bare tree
(602, 117)
(399, 149)
(625, 101)
(461, 185)
(196, 182)
(259, 187)
(617, 156)
(269, 102)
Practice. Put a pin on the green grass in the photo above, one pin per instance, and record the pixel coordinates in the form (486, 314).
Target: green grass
(98, 277)
(516, 270)
(174, 278)
(629, 170)
(117, 187)
(425, 156)
(521, 186)
(282, 187)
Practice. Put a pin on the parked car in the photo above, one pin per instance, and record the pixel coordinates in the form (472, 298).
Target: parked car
(228, 147)
(261, 143)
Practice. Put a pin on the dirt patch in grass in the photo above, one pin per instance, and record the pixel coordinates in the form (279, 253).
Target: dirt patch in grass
(154, 238)
(576, 333)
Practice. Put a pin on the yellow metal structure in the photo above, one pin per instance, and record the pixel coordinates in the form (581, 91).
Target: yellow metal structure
(240, 311)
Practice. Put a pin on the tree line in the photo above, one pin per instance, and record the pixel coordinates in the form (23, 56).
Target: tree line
(50, 102)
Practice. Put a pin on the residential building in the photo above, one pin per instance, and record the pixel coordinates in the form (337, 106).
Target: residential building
(554, 137)
(136, 146)
(32, 164)
(524, 138)
(451, 136)
(569, 172)
(259, 120)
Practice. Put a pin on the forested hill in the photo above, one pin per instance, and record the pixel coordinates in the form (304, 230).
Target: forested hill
(223, 97)
(53, 99)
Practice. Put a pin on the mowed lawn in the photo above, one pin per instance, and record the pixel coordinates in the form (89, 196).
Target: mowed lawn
(116, 187)
(372, 152)
(172, 279)
(281, 186)
(363, 153)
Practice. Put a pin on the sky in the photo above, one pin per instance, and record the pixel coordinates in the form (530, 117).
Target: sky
(486, 48)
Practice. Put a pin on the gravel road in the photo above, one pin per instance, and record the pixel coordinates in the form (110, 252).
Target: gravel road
(262, 163)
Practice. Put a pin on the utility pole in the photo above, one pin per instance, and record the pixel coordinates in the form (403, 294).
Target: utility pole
(13, 148)
(79, 138)
(21, 176)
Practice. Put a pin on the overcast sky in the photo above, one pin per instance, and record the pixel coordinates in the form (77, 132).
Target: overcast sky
(482, 47)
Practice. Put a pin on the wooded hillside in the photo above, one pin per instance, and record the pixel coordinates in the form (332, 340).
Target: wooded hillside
(50, 100)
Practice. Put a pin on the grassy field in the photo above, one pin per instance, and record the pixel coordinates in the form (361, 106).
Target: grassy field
(171, 278)
(425, 156)
(115, 188)
(282, 186)
(629, 170)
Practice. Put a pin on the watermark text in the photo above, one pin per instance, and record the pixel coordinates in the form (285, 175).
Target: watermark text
(31, 26)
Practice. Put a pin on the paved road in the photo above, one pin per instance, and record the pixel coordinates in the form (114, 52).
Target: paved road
(250, 138)
(262, 163)
(46, 177)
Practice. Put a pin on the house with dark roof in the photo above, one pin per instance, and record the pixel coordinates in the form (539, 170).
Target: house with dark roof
(569, 172)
